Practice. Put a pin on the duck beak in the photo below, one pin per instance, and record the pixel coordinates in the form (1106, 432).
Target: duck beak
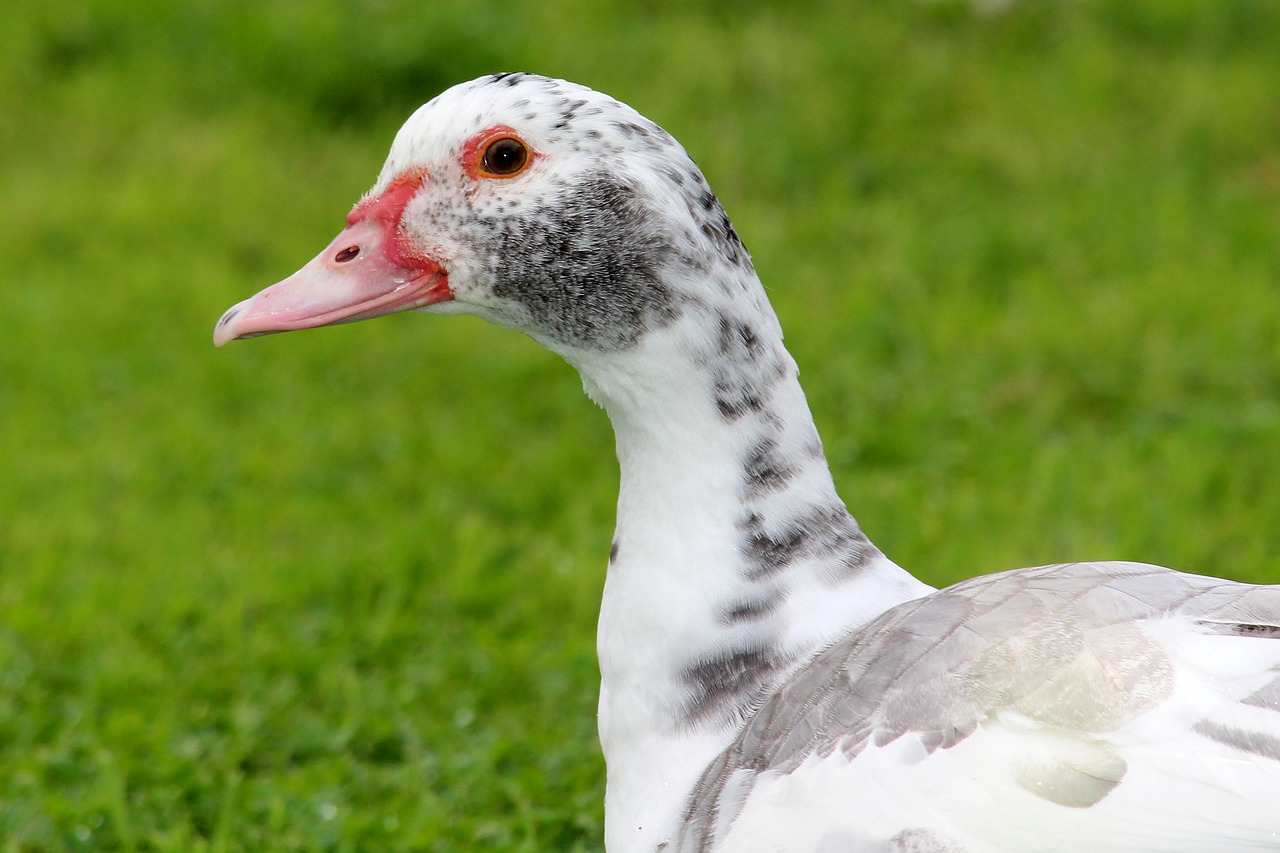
(354, 278)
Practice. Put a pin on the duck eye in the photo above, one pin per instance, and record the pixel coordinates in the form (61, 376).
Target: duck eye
(504, 158)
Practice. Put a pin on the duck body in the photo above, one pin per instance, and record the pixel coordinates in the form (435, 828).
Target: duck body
(769, 679)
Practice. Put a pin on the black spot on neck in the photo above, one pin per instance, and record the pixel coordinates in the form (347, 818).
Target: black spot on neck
(750, 610)
(770, 553)
(725, 681)
(746, 368)
(766, 471)
(736, 400)
(826, 534)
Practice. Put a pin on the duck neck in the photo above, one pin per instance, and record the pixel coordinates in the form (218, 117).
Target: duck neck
(734, 559)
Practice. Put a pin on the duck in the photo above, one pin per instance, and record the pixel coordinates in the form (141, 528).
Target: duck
(771, 680)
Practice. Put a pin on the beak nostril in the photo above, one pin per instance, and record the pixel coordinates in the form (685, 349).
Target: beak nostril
(347, 254)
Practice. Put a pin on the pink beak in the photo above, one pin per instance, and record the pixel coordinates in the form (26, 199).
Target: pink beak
(353, 279)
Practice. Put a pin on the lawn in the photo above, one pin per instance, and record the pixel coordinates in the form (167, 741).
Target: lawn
(337, 591)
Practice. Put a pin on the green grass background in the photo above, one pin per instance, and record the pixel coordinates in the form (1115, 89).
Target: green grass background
(337, 590)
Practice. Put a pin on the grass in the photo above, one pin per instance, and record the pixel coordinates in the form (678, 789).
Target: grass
(337, 591)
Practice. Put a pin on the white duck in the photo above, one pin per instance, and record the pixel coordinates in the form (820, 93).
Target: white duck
(770, 680)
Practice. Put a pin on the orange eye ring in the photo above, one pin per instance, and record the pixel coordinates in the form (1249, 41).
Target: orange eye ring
(497, 152)
(504, 157)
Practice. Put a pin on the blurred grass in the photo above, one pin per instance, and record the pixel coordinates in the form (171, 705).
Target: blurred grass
(337, 591)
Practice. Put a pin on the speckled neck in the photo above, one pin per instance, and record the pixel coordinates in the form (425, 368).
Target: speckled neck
(734, 559)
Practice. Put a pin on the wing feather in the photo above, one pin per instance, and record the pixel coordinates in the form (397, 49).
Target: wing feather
(1123, 703)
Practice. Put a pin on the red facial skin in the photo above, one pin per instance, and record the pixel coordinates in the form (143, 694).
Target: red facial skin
(368, 270)
(371, 268)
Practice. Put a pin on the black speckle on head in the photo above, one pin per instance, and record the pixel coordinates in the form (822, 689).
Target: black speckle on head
(722, 683)
(644, 134)
(714, 224)
(739, 341)
(587, 268)
(613, 552)
(631, 129)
